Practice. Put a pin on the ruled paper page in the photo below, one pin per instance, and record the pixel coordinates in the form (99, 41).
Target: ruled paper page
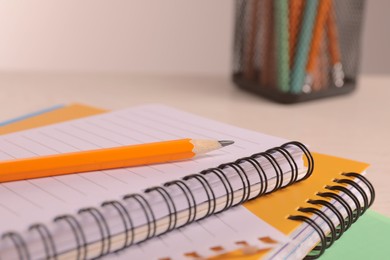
(25, 202)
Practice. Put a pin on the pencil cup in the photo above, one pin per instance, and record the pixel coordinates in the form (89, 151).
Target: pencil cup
(297, 50)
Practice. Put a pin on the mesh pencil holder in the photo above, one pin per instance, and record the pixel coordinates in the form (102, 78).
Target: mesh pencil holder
(297, 50)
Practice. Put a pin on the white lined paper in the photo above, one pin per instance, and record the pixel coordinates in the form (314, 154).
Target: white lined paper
(34, 200)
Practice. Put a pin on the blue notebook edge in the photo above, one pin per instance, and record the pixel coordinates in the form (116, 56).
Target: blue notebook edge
(32, 114)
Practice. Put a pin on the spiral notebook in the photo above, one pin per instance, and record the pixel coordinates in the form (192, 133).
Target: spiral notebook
(319, 210)
(92, 214)
(323, 161)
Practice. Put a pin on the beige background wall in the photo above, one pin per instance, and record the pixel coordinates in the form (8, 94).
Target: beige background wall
(376, 41)
(142, 36)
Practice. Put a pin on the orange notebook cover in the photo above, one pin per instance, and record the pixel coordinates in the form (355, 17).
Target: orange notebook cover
(277, 207)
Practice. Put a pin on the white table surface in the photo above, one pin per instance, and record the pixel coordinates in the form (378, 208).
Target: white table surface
(354, 126)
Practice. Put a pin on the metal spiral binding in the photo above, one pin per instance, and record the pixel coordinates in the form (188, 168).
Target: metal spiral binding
(341, 227)
(48, 242)
(366, 182)
(19, 243)
(189, 197)
(211, 206)
(172, 212)
(318, 250)
(103, 228)
(344, 224)
(348, 221)
(290, 160)
(147, 209)
(78, 232)
(128, 224)
(261, 174)
(327, 220)
(276, 167)
(126, 219)
(355, 213)
(244, 179)
(309, 157)
(227, 185)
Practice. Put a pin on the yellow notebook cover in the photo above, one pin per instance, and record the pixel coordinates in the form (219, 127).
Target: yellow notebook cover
(276, 207)
(58, 115)
(273, 208)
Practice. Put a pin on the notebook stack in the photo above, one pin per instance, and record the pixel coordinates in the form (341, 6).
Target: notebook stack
(263, 197)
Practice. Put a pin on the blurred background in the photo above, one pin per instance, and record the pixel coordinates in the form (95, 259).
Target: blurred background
(168, 37)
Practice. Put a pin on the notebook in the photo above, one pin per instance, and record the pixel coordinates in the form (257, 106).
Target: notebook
(92, 214)
(287, 193)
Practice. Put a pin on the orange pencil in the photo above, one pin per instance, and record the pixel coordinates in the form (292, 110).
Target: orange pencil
(322, 15)
(268, 63)
(325, 63)
(334, 49)
(322, 68)
(104, 159)
(317, 77)
(295, 14)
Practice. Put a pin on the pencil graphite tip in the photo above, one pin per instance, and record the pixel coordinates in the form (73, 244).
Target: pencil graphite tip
(224, 143)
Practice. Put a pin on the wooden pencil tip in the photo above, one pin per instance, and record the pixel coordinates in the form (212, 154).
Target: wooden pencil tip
(224, 143)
